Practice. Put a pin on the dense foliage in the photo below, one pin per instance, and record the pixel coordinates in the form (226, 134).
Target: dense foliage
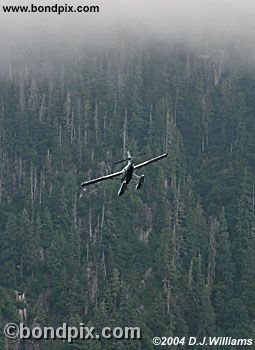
(177, 257)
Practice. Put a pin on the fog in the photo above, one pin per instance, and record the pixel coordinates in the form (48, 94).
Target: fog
(192, 21)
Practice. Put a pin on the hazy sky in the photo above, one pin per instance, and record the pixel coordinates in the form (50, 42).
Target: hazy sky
(164, 18)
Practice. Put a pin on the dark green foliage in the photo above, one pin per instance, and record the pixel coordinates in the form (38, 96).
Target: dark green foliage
(176, 258)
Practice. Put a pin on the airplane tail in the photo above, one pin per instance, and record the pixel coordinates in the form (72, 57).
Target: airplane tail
(129, 157)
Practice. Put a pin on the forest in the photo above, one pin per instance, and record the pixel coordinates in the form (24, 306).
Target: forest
(175, 258)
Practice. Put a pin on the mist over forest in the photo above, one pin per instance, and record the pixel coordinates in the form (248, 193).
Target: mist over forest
(175, 258)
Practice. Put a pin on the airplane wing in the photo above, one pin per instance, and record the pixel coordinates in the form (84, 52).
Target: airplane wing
(150, 161)
(102, 178)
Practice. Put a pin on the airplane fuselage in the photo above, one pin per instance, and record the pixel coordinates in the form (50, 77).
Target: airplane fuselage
(128, 172)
